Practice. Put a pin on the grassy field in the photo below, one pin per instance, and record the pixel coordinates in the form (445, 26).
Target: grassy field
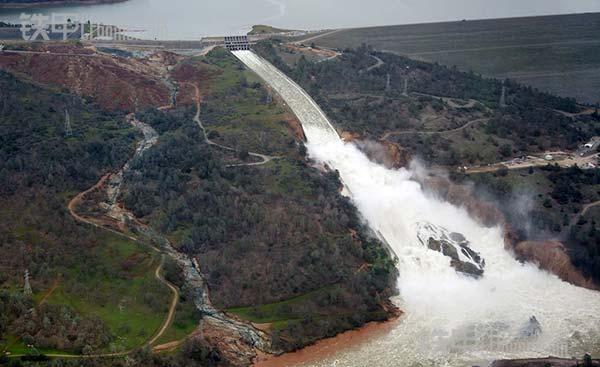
(559, 54)
(185, 322)
(275, 312)
(125, 294)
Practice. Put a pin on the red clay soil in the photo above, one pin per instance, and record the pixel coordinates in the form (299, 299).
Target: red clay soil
(384, 152)
(295, 126)
(114, 83)
(185, 95)
(326, 348)
(200, 75)
(553, 257)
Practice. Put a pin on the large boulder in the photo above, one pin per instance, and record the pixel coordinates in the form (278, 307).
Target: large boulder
(453, 245)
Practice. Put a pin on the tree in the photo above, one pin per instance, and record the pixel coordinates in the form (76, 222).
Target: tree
(506, 150)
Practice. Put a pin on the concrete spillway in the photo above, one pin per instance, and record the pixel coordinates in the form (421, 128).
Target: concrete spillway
(317, 128)
(513, 311)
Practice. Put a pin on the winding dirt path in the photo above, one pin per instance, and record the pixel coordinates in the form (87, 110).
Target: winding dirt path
(166, 324)
(72, 207)
(589, 206)
(443, 132)
(172, 307)
(379, 64)
(265, 158)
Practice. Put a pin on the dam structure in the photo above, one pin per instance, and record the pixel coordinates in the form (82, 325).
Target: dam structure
(511, 310)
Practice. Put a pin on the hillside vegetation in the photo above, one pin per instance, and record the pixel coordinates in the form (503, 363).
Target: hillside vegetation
(92, 291)
(277, 243)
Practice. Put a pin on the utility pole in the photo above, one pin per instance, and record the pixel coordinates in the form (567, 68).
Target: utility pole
(68, 130)
(27, 291)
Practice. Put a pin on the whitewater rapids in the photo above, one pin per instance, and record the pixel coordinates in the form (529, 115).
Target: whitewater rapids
(450, 319)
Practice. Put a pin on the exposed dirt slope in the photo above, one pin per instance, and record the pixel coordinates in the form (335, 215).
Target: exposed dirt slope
(115, 83)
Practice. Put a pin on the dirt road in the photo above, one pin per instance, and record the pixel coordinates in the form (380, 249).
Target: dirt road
(379, 63)
(265, 158)
(443, 132)
(72, 207)
(532, 161)
(588, 207)
(174, 301)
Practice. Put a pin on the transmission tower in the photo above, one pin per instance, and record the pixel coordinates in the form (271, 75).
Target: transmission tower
(68, 130)
(388, 83)
(503, 96)
(27, 287)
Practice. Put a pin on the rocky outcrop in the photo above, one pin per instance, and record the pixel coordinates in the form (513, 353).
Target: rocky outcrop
(237, 341)
(453, 245)
(553, 257)
(386, 153)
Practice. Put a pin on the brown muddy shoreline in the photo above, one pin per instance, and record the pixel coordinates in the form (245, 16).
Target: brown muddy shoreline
(329, 347)
(40, 4)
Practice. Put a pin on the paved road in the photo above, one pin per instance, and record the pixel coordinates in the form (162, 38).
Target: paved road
(312, 38)
(47, 53)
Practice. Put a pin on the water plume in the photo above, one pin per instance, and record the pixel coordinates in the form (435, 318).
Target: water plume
(514, 310)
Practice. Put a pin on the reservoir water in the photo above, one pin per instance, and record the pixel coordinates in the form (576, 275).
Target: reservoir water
(192, 19)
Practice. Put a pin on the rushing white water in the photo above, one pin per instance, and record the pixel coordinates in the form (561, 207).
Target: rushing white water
(451, 319)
